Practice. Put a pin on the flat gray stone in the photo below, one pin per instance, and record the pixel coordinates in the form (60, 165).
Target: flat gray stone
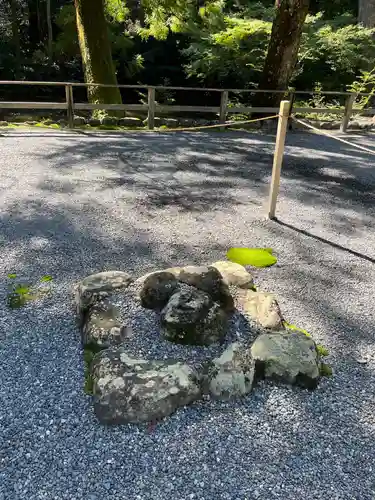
(192, 317)
(130, 121)
(128, 390)
(288, 357)
(231, 375)
(98, 286)
(103, 326)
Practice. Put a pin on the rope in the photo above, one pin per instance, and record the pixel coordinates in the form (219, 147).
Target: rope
(327, 134)
(226, 124)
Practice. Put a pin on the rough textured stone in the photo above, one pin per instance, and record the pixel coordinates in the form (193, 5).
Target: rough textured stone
(209, 280)
(288, 357)
(231, 375)
(262, 307)
(157, 289)
(79, 120)
(109, 120)
(192, 317)
(94, 122)
(134, 390)
(173, 270)
(234, 274)
(97, 286)
(130, 121)
(103, 326)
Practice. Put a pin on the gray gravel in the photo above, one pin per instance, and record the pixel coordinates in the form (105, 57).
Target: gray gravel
(73, 204)
(145, 339)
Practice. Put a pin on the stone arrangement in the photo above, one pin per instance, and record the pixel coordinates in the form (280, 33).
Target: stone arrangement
(193, 305)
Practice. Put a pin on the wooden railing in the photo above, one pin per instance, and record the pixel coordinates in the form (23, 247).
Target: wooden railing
(152, 107)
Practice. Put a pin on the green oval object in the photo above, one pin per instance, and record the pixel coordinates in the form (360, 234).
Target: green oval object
(256, 257)
(12, 276)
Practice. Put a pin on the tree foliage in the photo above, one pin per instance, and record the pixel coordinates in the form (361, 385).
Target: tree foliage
(220, 43)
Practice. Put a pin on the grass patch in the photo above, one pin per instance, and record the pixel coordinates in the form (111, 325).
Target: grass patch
(89, 353)
(88, 356)
(20, 293)
(325, 370)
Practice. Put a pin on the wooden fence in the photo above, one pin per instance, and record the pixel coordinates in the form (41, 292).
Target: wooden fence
(152, 108)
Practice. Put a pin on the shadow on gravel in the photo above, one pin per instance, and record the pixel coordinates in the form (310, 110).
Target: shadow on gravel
(202, 171)
(324, 240)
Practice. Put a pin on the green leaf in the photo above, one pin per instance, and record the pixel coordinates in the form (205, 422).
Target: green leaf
(46, 278)
(12, 276)
(256, 257)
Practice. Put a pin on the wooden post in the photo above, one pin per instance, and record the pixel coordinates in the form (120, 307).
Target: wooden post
(69, 102)
(151, 109)
(278, 157)
(223, 108)
(348, 112)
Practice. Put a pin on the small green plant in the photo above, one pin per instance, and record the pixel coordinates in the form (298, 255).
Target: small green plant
(318, 100)
(364, 84)
(322, 351)
(325, 370)
(19, 293)
(88, 356)
(289, 326)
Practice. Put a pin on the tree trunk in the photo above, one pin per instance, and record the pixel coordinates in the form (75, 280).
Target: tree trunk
(96, 51)
(15, 37)
(50, 32)
(34, 25)
(366, 13)
(282, 50)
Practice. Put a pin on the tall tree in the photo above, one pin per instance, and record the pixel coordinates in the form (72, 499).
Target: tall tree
(14, 11)
(366, 13)
(50, 32)
(283, 49)
(96, 51)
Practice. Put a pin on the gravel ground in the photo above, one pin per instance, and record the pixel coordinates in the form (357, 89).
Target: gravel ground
(73, 204)
(145, 340)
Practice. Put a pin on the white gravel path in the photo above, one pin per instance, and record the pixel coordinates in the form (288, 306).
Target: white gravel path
(72, 204)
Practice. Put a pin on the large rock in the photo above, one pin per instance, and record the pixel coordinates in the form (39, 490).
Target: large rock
(135, 390)
(288, 357)
(157, 289)
(130, 121)
(103, 326)
(234, 274)
(231, 375)
(260, 306)
(209, 280)
(97, 286)
(192, 317)
(139, 282)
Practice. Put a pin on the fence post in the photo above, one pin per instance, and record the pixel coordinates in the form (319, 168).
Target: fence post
(223, 108)
(278, 157)
(69, 102)
(151, 109)
(348, 112)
